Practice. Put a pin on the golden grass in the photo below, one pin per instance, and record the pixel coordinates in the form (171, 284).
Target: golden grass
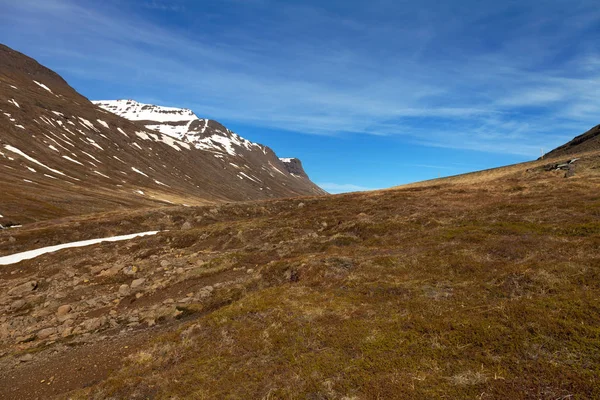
(468, 289)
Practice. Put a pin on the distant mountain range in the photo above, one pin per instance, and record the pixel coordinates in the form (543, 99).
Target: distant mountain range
(203, 134)
(62, 155)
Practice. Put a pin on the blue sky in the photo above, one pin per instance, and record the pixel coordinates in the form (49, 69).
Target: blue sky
(368, 94)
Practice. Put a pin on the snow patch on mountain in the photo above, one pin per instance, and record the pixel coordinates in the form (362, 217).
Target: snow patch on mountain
(181, 124)
(134, 111)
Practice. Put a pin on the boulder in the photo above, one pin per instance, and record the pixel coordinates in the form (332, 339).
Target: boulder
(24, 288)
(124, 290)
(45, 333)
(63, 310)
(137, 283)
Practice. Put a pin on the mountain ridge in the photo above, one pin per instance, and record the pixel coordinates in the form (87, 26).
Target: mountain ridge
(587, 141)
(202, 133)
(61, 155)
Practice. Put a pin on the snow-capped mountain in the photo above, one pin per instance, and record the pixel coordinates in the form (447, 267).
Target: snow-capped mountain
(182, 124)
(62, 155)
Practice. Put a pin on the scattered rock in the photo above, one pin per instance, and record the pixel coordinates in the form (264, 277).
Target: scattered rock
(186, 226)
(137, 283)
(12, 239)
(130, 270)
(26, 358)
(301, 205)
(205, 292)
(98, 268)
(124, 290)
(23, 288)
(63, 310)
(164, 263)
(45, 333)
(17, 305)
(25, 338)
(110, 272)
(93, 324)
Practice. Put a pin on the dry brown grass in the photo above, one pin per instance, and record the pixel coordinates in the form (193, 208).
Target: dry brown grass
(464, 289)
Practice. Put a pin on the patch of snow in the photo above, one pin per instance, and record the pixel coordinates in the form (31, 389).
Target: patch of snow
(143, 135)
(276, 169)
(72, 160)
(91, 156)
(160, 183)
(88, 124)
(139, 172)
(47, 121)
(101, 174)
(104, 124)
(134, 111)
(33, 160)
(31, 169)
(53, 148)
(27, 255)
(12, 101)
(93, 142)
(20, 126)
(171, 142)
(251, 178)
(43, 86)
(121, 130)
(140, 192)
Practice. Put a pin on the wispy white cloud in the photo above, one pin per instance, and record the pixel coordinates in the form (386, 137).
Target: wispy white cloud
(442, 76)
(164, 5)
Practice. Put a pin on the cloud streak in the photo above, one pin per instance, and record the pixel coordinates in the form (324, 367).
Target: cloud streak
(434, 75)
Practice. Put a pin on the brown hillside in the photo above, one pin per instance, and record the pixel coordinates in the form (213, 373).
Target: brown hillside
(483, 286)
(589, 141)
(61, 155)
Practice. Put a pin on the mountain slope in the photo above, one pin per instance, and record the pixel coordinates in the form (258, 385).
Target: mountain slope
(61, 155)
(447, 290)
(588, 141)
(203, 134)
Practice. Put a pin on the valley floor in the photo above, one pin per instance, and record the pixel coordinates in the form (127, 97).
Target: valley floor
(481, 286)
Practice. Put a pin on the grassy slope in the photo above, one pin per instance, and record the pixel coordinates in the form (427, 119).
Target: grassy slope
(482, 287)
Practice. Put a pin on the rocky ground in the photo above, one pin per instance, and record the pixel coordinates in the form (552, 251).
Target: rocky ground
(482, 285)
